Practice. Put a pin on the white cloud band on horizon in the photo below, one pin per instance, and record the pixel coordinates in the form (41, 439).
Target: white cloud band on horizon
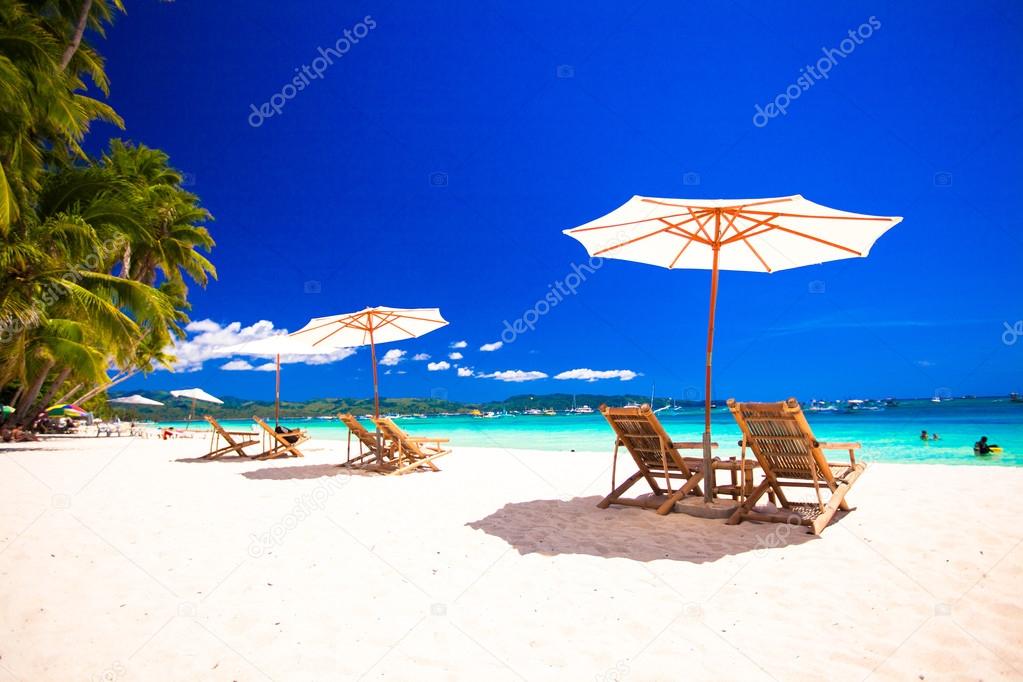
(592, 375)
(513, 375)
(207, 339)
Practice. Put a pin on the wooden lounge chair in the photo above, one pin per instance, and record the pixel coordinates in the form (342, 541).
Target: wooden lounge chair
(228, 436)
(410, 452)
(781, 440)
(372, 449)
(281, 444)
(639, 431)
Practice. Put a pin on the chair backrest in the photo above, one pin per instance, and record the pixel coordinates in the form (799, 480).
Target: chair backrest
(361, 432)
(641, 432)
(214, 423)
(279, 437)
(781, 439)
(393, 432)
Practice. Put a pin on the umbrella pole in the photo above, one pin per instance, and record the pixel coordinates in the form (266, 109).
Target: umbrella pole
(376, 391)
(709, 477)
(277, 394)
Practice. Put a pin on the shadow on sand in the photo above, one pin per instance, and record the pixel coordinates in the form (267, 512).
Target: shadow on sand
(300, 472)
(577, 526)
(225, 458)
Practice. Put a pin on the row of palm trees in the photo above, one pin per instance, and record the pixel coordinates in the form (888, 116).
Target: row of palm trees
(95, 252)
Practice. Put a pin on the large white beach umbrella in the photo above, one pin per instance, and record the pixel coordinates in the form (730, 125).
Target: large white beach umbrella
(135, 400)
(196, 394)
(369, 327)
(756, 235)
(275, 347)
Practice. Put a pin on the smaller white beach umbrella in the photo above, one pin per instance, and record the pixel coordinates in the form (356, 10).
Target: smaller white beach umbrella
(196, 394)
(368, 327)
(135, 400)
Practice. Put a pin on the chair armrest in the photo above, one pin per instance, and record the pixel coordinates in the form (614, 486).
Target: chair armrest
(690, 445)
(425, 439)
(842, 446)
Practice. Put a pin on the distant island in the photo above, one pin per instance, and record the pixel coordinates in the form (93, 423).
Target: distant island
(177, 409)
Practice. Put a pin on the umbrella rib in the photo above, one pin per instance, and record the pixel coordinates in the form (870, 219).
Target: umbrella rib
(772, 226)
(745, 232)
(703, 227)
(671, 226)
(630, 222)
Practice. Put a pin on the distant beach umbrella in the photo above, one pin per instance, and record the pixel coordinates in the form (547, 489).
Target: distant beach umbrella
(274, 347)
(754, 235)
(369, 327)
(196, 394)
(67, 410)
(7, 409)
(135, 400)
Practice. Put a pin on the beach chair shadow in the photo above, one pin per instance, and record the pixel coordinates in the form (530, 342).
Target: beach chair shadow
(577, 526)
(289, 473)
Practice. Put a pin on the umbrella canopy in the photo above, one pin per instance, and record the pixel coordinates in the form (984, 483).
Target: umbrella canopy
(758, 235)
(135, 400)
(197, 394)
(274, 347)
(368, 327)
(7, 409)
(67, 410)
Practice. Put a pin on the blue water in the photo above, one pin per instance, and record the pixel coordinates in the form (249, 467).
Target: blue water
(890, 435)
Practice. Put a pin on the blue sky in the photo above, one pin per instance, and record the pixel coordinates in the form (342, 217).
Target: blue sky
(437, 160)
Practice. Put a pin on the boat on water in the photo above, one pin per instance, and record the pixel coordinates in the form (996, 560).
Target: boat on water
(585, 409)
(549, 412)
(533, 411)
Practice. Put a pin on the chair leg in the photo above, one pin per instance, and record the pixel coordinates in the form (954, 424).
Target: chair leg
(617, 492)
(693, 481)
(747, 506)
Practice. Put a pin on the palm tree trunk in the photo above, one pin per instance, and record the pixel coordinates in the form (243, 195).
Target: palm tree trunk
(54, 387)
(126, 262)
(105, 387)
(66, 398)
(76, 38)
(28, 399)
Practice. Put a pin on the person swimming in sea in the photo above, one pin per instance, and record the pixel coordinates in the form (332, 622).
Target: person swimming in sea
(982, 447)
(923, 435)
(934, 436)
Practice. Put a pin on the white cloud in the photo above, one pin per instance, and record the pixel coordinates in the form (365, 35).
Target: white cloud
(490, 347)
(460, 344)
(596, 374)
(266, 367)
(513, 375)
(237, 366)
(438, 366)
(207, 338)
(455, 356)
(464, 372)
(420, 357)
(392, 357)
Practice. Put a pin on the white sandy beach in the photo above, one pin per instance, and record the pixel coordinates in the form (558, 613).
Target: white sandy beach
(120, 562)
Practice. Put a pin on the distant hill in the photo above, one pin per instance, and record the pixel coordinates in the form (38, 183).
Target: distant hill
(175, 409)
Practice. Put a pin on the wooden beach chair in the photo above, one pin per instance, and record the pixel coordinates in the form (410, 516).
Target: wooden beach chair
(410, 452)
(790, 456)
(281, 444)
(639, 431)
(219, 432)
(372, 449)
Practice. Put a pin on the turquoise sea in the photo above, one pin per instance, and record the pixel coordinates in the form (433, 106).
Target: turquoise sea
(891, 434)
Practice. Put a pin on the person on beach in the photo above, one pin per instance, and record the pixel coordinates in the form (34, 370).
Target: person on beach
(923, 435)
(167, 433)
(982, 447)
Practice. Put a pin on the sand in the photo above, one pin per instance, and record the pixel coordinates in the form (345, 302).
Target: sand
(122, 560)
